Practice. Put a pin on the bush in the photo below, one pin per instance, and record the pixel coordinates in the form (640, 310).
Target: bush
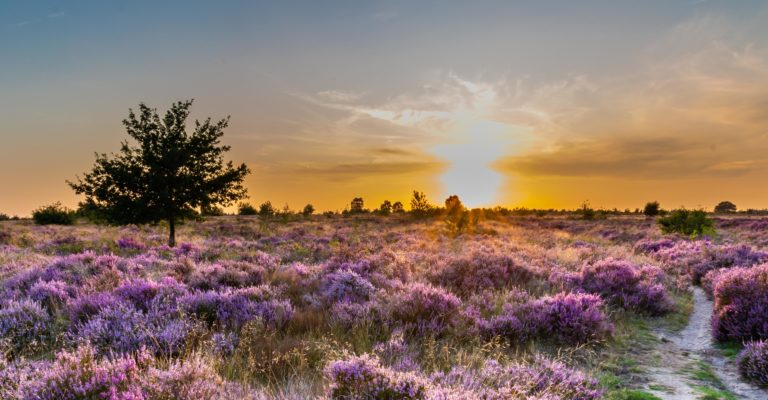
(53, 214)
(687, 222)
(4, 217)
(246, 209)
(347, 286)
(625, 285)
(24, 323)
(725, 207)
(566, 318)
(363, 377)
(308, 210)
(741, 304)
(753, 362)
(482, 270)
(651, 209)
(426, 308)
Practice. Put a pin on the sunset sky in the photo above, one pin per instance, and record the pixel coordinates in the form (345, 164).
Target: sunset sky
(517, 103)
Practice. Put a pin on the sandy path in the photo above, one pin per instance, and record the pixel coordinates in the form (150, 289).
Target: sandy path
(682, 350)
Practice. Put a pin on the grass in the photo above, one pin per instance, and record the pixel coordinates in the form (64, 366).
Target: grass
(713, 388)
(631, 394)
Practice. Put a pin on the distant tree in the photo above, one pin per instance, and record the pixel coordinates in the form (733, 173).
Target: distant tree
(168, 175)
(4, 217)
(211, 211)
(457, 218)
(246, 209)
(53, 214)
(725, 207)
(266, 209)
(420, 206)
(651, 209)
(385, 208)
(397, 207)
(356, 205)
(587, 212)
(308, 210)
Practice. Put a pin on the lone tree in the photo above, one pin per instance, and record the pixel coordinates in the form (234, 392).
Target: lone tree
(651, 209)
(356, 206)
(168, 175)
(420, 206)
(725, 207)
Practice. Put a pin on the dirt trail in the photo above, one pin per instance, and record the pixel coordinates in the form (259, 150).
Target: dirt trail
(680, 353)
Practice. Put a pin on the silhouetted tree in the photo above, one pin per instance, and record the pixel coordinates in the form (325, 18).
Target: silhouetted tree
(168, 174)
(356, 205)
(308, 210)
(651, 209)
(246, 209)
(725, 207)
(420, 206)
(397, 207)
(385, 208)
(266, 209)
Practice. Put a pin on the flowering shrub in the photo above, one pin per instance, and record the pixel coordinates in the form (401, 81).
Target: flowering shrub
(232, 309)
(347, 286)
(544, 379)
(52, 294)
(566, 318)
(741, 304)
(426, 308)
(482, 270)
(24, 323)
(625, 285)
(363, 377)
(753, 362)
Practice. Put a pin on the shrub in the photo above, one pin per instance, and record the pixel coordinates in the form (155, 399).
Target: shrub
(246, 209)
(53, 214)
(266, 209)
(651, 209)
(308, 210)
(569, 318)
(625, 285)
(482, 270)
(4, 217)
(753, 362)
(24, 323)
(363, 377)
(687, 222)
(53, 294)
(724, 207)
(346, 286)
(741, 304)
(426, 308)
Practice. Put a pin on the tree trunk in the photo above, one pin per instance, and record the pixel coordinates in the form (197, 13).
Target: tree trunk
(172, 233)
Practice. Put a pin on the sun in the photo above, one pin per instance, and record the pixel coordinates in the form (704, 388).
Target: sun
(470, 175)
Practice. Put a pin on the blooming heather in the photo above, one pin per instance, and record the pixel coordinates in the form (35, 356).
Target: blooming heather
(753, 362)
(741, 304)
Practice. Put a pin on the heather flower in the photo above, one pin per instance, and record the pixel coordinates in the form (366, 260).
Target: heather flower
(86, 306)
(346, 286)
(191, 379)
(741, 304)
(482, 270)
(129, 243)
(753, 362)
(363, 377)
(625, 285)
(425, 308)
(24, 323)
(52, 294)
(225, 343)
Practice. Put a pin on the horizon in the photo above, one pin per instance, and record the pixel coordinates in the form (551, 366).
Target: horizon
(544, 105)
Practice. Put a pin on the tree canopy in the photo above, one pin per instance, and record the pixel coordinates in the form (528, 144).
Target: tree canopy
(167, 174)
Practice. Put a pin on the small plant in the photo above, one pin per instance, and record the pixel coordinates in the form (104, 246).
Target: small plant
(587, 213)
(53, 214)
(687, 222)
(266, 209)
(246, 209)
(753, 362)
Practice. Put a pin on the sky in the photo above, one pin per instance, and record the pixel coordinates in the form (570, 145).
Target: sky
(543, 104)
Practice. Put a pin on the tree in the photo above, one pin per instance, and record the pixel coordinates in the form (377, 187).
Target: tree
(246, 209)
(397, 207)
(687, 222)
(308, 210)
(420, 206)
(167, 174)
(266, 209)
(356, 205)
(385, 208)
(725, 207)
(651, 209)
(53, 214)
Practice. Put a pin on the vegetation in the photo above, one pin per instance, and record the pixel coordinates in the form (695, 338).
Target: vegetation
(167, 175)
(308, 210)
(651, 209)
(246, 209)
(420, 206)
(687, 222)
(725, 207)
(53, 214)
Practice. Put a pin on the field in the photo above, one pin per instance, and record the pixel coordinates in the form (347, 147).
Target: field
(384, 307)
